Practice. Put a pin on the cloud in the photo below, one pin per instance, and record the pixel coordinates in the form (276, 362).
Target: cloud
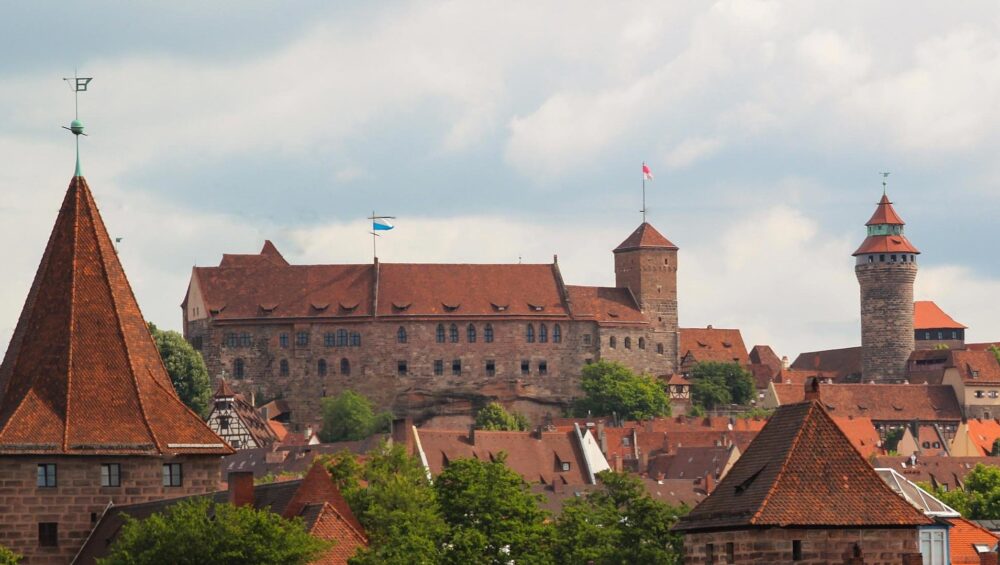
(691, 151)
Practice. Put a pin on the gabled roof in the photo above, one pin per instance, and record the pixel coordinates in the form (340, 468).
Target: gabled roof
(881, 402)
(963, 537)
(843, 362)
(783, 481)
(927, 315)
(885, 214)
(713, 344)
(82, 375)
(224, 390)
(645, 237)
(862, 434)
(976, 366)
(606, 305)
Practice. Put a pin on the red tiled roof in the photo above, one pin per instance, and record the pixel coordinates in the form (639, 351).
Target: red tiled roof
(714, 344)
(82, 374)
(690, 462)
(963, 536)
(317, 486)
(942, 470)
(328, 524)
(645, 236)
(781, 481)
(886, 244)
(882, 402)
(885, 214)
(862, 434)
(928, 315)
(224, 390)
(983, 433)
(764, 355)
(271, 252)
(607, 305)
(843, 362)
(976, 366)
(930, 435)
(982, 346)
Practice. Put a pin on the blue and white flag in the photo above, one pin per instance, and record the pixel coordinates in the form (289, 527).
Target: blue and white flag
(381, 224)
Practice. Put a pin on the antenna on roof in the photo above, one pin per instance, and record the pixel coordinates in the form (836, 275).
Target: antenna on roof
(885, 181)
(78, 84)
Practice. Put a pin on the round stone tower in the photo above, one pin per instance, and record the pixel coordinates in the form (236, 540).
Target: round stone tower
(886, 266)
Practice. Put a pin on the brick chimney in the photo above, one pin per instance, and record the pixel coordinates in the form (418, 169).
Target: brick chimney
(402, 433)
(241, 488)
(709, 482)
(812, 388)
(472, 434)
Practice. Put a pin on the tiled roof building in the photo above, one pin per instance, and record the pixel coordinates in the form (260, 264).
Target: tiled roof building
(934, 327)
(801, 493)
(237, 421)
(430, 339)
(88, 413)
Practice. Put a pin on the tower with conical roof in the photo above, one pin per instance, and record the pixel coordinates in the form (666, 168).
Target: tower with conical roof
(886, 267)
(646, 264)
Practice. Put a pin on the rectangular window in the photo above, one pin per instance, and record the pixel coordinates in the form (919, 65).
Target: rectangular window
(328, 339)
(401, 368)
(48, 534)
(172, 475)
(456, 367)
(797, 550)
(223, 422)
(525, 367)
(730, 552)
(543, 367)
(302, 339)
(47, 475)
(491, 367)
(709, 553)
(438, 367)
(283, 340)
(586, 339)
(111, 475)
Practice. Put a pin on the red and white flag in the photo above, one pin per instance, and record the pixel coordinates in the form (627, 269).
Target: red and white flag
(647, 173)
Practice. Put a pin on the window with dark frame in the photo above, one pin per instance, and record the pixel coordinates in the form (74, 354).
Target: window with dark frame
(440, 333)
(628, 343)
(456, 367)
(345, 367)
(525, 367)
(245, 340)
(491, 367)
(341, 338)
(239, 369)
(173, 475)
(355, 339)
(283, 368)
(709, 553)
(302, 339)
(797, 550)
(453, 333)
(587, 339)
(613, 342)
(642, 343)
(223, 422)
(401, 335)
(46, 475)
(556, 334)
(529, 334)
(111, 474)
(401, 368)
(283, 340)
(329, 340)
(470, 332)
(543, 333)
(321, 367)
(48, 534)
(543, 367)
(232, 340)
(488, 333)
(439, 367)
(730, 552)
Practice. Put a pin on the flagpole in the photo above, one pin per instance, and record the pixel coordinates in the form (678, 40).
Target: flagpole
(644, 192)
(374, 237)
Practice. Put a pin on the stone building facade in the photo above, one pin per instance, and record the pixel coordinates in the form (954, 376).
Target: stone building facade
(886, 267)
(430, 340)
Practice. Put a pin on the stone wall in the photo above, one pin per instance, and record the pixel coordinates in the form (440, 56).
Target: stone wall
(78, 500)
(887, 337)
(651, 275)
(819, 546)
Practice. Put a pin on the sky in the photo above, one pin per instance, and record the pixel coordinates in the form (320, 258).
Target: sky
(507, 131)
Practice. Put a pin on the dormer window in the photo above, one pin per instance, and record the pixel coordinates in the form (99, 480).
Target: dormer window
(320, 306)
(535, 307)
(348, 307)
(450, 307)
(499, 307)
(400, 306)
(565, 466)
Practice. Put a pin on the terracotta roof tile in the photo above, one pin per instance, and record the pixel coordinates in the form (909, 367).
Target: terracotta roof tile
(82, 374)
(882, 402)
(885, 214)
(325, 522)
(927, 315)
(886, 244)
(982, 433)
(942, 470)
(780, 481)
(645, 236)
(317, 486)
(843, 362)
(862, 434)
(608, 306)
(976, 366)
(714, 344)
(963, 537)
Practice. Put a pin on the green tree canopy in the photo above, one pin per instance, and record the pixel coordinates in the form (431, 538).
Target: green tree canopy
(186, 368)
(8, 557)
(611, 387)
(980, 498)
(349, 416)
(199, 531)
(714, 383)
(493, 515)
(996, 351)
(494, 416)
(619, 523)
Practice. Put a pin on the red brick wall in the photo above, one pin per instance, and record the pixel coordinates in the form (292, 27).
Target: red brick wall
(887, 337)
(78, 495)
(819, 546)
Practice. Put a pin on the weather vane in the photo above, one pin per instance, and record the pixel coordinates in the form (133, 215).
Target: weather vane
(885, 181)
(78, 84)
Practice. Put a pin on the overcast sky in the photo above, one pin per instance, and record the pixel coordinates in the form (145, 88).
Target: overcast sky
(505, 130)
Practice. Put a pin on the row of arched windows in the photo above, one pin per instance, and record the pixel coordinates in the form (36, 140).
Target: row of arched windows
(543, 333)
(452, 334)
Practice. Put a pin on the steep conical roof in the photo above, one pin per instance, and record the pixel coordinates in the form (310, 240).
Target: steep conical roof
(82, 374)
(645, 236)
(885, 214)
(801, 471)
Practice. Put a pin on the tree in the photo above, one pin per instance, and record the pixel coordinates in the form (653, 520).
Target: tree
(619, 523)
(398, 507)
(8, 557)
(493, 515)
(349, 416)
(186, 369)
(980, 497)
(493, 416)
(892, 438)
(995, 349)
(714, 383)
(611, 387)
(199, 531)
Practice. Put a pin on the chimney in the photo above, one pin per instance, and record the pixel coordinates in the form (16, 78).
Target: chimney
(812, 389)
(537, 433)
(241, 488)
(785, 363)
(308, 433)
(643, 462)
(602, 437)
(402, 433)
(616, 463)
(264, 413)
(709, 482)
(472, 434)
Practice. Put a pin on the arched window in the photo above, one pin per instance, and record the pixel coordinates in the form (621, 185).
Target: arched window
(470, 333)
(321, 367)
(401, 335)
(642, 343)
(529, 334)
(613, 342)
(543, 333)
(556, 334)
(488, 333)
(341, 338)
(238, 369)
(345, 367)
(628, 343)
(283, 367)
(453, 333)
(355, 339)
(440, 333)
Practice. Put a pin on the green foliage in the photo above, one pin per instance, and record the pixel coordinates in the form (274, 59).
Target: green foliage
(349, 416)
(696, 411)
(493, 515)
(892, 438)
(611, 387)
(995, 449)
(186, 368)
(941, 347)
(756, 412)
(714, 384)
(980, 499)
(8, 557)
(198, 531)
(493, 416)
(620, 523)
(398, 507)
(996, 352)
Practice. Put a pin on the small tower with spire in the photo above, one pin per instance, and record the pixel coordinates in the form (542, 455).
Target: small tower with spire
(886, 267)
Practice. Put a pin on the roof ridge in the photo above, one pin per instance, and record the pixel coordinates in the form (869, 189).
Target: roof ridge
(72, 320)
